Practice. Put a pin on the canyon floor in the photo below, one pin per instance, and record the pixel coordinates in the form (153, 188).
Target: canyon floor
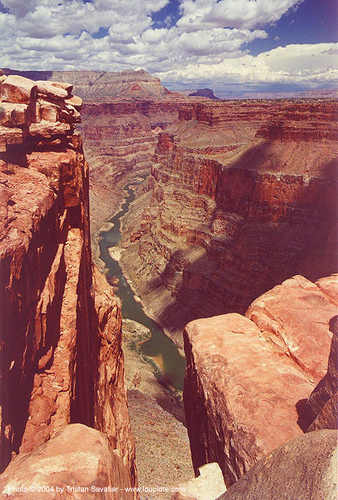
(157, 418)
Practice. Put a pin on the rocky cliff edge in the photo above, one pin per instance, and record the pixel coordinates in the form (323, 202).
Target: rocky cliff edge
(61, 356)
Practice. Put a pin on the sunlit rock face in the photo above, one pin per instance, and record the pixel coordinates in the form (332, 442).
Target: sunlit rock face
(304, 467)
(242, 195)
(60, 323)
(248, 377)
(78, 460)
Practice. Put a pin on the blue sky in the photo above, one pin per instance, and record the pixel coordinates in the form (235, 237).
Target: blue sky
(222, 44)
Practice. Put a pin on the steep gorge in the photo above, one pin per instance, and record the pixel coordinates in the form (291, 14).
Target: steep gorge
(235, 204)
(240, 196)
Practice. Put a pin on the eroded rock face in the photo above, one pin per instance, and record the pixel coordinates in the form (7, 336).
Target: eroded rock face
(58, 324)
(77, 461)
(303, 468)
(120, 139)
(248, 378)
(229, 213)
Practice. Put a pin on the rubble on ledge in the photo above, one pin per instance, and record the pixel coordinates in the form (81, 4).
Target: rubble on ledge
(36, 112)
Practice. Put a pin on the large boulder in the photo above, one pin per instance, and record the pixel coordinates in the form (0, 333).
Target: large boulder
(302, 469)
(248, 378)
(296, 316)
(77, 463)
(18, 89)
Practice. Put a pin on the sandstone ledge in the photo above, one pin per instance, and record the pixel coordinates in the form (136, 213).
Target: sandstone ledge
(78, 462)
(60, 317)
(32, 110)
(244, 393)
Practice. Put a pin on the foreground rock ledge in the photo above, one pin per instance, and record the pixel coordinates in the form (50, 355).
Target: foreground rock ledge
(77, 463)
(304, 468)
(60, 323)
(246, 383)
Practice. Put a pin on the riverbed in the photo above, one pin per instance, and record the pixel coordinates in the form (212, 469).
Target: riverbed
(159, 347)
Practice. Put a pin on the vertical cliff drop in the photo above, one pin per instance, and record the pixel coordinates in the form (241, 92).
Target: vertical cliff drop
(62, 360)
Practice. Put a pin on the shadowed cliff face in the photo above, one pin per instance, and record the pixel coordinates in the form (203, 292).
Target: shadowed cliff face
(60, 323)
(233, 207)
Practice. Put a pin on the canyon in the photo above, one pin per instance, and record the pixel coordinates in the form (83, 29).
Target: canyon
(231, 239)
(241, 196)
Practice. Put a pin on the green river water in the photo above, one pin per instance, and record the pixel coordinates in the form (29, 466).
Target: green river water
(159, 346)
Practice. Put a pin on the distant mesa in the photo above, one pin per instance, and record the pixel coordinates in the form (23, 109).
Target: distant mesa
(102, 86)
(204, 93)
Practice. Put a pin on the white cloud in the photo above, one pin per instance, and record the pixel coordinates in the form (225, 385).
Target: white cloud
(298, 64)
(248, 14)
(61, 34)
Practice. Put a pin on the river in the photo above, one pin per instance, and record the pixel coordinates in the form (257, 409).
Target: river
(160, 347)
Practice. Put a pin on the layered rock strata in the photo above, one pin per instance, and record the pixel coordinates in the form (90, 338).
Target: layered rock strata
(234, 207)
(61, 326)
(248, 377)
(120, 140)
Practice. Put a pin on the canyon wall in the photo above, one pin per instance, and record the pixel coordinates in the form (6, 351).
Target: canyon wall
(249, 378)
(120, 139)
(104, 86)
(61, 355)
(242, 195)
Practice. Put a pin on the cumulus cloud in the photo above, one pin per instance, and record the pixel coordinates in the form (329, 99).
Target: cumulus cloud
(246, 14)
(306, 65)
(208, 43)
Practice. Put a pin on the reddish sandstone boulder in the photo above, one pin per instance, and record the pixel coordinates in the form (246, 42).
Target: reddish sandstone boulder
(247, 380)
(329, 285)
(51, 90)
(296, 316)
(18, 89)
(13, 114)
(77, 463)
(240, 394)
(75, 101)
(10, 136)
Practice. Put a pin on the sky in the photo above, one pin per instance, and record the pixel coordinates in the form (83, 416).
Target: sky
(221, 44)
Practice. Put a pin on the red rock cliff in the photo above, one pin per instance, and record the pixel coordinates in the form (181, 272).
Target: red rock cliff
(60, 324)
(232, 210)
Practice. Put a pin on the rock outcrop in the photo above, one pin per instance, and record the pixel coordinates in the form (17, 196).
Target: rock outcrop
(60, 324)
(77, 462)
(248, 377)
(303, 468)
